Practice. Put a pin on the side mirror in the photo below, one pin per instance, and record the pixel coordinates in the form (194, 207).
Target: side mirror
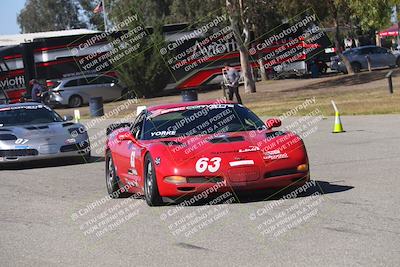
(68, 118)
(273, 123)
(126, 136)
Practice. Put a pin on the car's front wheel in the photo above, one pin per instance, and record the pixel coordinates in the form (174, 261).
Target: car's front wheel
(151, 193)
(111, 177)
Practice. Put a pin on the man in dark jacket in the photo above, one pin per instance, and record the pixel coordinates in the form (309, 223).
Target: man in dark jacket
(231, 79)
(36, 91)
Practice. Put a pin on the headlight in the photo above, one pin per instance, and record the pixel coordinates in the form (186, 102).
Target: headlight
(302, 168)
(175, 179)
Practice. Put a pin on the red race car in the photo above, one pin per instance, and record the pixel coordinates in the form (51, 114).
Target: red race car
(188, 148)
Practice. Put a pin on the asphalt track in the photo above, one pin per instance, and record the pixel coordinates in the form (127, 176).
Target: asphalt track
(57, 214)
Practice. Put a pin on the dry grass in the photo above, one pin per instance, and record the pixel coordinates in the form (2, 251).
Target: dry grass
(363, 93)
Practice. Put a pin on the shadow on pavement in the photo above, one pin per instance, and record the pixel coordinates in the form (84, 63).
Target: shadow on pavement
(320, 186)
(60, 162)
(246, 197)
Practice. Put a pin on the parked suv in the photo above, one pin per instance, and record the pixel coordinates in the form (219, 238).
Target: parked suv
(379, 57)
(77, 91)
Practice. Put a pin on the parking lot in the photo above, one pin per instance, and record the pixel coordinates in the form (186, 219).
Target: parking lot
(348, 216)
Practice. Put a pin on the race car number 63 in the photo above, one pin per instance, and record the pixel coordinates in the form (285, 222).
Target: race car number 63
(211, 164)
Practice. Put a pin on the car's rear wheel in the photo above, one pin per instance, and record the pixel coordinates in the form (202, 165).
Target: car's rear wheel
(111, 177)
(75, 101)
(151, 193)
(127, 94)
(356, 67)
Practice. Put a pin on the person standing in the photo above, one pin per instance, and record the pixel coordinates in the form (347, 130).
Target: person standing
(36, 92)
(232, 78)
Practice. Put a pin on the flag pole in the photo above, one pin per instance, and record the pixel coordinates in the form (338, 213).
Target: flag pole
(104, 16)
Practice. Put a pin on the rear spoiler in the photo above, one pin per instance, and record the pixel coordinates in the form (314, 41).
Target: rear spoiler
(111, 128)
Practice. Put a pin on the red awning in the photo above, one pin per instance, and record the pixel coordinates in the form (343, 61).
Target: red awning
(391, 31)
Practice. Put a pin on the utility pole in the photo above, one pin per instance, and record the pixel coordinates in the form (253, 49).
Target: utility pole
(398, 25)
(104, 15)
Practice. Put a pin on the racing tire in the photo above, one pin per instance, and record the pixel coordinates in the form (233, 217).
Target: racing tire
(356, 67)
(75, 101)
(151, 193)
(113, 188)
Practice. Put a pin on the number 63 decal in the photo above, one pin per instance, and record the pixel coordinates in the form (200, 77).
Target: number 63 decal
(211, 164)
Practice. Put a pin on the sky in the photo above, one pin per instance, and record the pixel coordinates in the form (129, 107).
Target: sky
(8, 17)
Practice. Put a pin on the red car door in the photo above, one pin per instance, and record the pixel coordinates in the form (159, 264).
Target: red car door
(128, 157)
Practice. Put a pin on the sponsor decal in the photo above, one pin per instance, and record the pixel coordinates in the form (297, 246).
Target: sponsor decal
(249, 149)
(157, 161)
(163, 133)
(16, 82)
(25, 107)
(241, 163)
(275, 154)
(133, 154)
(212, 106)
(132, 172)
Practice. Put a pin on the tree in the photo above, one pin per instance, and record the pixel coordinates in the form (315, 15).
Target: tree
(263, 16)
(240, 25)
(337, 8)
(49, 15)
(144, 70)
(195, 11)
(370, 14)
(94, 21)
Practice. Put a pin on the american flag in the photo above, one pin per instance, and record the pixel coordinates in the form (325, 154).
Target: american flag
(98, 8)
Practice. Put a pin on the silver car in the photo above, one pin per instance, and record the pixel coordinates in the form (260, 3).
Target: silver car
(379, 57)
(33, 131)
(77, 91)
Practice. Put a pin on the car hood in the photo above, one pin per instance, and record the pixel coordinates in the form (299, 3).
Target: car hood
(231, 151)
(32, 131)
(183, 148)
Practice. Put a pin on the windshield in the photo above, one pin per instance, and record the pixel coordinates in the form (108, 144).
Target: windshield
(18, 115)
(203, 119)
